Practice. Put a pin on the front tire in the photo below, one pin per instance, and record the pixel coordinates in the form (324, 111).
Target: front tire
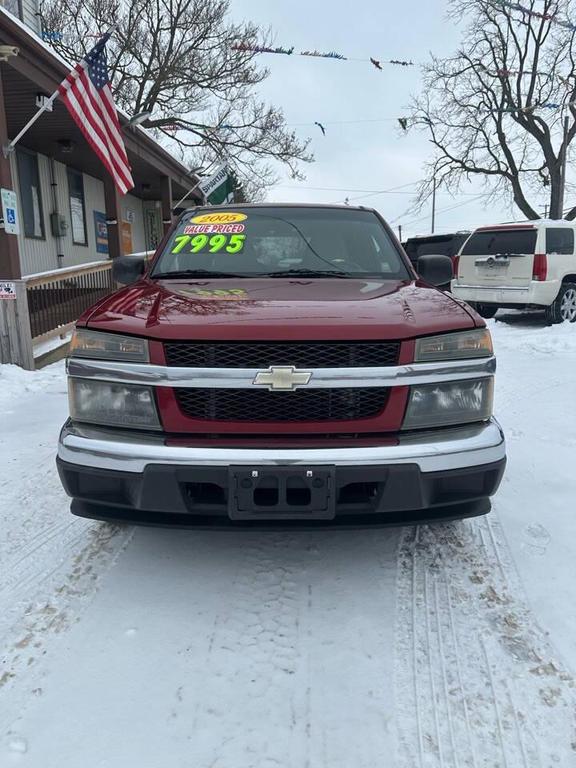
(487, 311)
(563, 308)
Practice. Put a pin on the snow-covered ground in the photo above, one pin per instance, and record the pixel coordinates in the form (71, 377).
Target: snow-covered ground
(447, 646)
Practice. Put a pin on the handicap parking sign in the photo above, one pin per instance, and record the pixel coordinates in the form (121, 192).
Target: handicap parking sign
(10, 212)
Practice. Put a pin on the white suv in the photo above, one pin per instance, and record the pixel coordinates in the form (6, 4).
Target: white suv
(519, 266)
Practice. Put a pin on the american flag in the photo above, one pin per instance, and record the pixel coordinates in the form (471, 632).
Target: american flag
(88, 97)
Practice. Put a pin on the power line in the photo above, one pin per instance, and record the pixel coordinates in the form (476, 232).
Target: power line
(371, 191)
(474, 197)
(373, 194)
(339, 189)
(346, 122)
(442, 210)
(379, 192)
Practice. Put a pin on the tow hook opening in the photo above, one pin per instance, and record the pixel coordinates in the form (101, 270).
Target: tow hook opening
(359, 493)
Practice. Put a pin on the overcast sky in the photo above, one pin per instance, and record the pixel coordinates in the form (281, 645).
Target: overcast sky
(365, 156)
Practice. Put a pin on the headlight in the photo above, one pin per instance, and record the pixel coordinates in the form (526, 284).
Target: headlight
(108, 346)
(454, 346)
(117, 405)
(457, 402)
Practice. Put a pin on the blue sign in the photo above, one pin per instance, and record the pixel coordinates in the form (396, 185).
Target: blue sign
(10, 212)
(101, 231)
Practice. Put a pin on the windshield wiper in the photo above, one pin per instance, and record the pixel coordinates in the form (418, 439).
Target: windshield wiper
(307, 273)
(193, 273)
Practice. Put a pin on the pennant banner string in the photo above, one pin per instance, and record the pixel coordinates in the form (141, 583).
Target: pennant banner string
(376, 63)
(535, 14)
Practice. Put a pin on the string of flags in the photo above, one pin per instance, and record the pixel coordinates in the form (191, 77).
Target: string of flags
(535, 14)
(376, 63)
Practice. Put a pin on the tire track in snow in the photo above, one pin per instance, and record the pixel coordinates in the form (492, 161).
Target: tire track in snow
(50, 561)
(40, 542)
(478, 685)
(50, 603)
(298, 664)
(259, 623)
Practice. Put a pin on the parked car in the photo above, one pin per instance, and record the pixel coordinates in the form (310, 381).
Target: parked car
(520, 266)
(280, 363)
(447, 245)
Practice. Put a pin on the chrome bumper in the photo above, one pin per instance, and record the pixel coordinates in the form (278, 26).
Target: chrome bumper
(437, 451)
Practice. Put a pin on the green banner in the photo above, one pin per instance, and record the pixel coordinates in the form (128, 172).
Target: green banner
(224, 193)
(218, 188)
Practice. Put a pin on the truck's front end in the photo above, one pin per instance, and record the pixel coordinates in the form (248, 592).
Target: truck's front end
(281, 363)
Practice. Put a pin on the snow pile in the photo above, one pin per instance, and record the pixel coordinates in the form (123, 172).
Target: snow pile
(14, 381)
(530, 335)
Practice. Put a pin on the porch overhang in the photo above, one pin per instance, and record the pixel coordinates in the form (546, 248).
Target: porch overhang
(38, 70)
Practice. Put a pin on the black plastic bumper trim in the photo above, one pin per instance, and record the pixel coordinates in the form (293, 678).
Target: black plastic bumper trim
(199, 496)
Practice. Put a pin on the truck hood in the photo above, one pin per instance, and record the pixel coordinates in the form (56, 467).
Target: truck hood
(278, 309)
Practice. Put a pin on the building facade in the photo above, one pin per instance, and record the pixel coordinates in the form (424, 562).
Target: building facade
(63, 215)
(69, 212)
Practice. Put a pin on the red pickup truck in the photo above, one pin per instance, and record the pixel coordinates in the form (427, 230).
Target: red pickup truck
(281, 363)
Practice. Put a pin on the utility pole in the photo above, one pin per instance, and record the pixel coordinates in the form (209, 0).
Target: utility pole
(433, 204)
(400, 232)
(563, 167)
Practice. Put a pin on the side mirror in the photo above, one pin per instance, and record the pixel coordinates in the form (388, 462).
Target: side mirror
(128, 269)
(435, 269)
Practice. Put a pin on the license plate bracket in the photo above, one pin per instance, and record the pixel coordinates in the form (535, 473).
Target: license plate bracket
(282, 493)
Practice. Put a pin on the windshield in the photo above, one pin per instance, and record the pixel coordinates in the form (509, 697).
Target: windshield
(501, 242)
(277, 241)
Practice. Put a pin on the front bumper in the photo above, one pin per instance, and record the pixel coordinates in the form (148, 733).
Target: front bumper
(447, 473)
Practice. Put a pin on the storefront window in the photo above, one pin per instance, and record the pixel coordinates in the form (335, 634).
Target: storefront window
(30, 194)
(77, 207)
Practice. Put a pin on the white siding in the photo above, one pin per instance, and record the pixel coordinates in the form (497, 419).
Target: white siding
(37, 255)
(93, 201)
(41, 255)
(29, 10)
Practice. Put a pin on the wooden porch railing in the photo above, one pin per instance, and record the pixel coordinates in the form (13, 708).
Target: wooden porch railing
(57, 299)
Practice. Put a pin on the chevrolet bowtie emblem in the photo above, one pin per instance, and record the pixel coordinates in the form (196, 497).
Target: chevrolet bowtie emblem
(286, 378)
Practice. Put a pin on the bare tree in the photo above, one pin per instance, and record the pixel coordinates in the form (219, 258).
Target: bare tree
(186, 63)
(495, 109)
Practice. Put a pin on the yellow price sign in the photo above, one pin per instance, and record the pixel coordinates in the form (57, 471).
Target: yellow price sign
(219, 218)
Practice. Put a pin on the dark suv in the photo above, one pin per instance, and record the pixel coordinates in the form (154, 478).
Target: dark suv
(445, 245)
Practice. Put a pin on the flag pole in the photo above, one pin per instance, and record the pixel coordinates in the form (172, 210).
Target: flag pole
(186, 195)
(219, 168)
(46, 107)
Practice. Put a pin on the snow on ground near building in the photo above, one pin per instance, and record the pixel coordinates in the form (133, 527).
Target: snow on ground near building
(450, 645)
